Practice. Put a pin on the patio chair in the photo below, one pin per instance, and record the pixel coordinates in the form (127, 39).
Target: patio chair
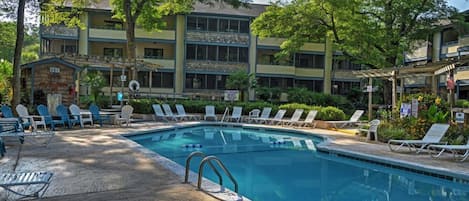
(458, 151)
(7, 113)
(294, 118)
(264, 115)
(277, 118)
(40, 181)
(62, 111)
(169, 113)
(159, 114)
(97, 116)
(2, 148)
(433, 136)
(210, 112)
(44, 112)
(11, 127)
(236, 114)
(81, 117)
(353, 120)
(371, 130)
(182, 112)
(125, 115)
(308, 121)
(33, 120)
(253, 114)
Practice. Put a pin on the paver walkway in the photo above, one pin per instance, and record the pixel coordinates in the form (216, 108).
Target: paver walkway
(99, 164)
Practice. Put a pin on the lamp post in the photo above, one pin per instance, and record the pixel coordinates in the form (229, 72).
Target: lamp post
(121, 95)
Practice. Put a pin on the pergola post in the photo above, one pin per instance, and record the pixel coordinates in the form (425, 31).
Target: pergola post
(370, 97)
(394, 89)
(111, 75)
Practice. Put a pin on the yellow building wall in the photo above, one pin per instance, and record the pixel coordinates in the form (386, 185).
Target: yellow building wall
(275, 69)
(179, 70)
(318, 47)
(309, 72)
(97, 19)
(163, 34)
(464, 41)
(107, 34)
(461, 75)
(83, 40)
(344, 74)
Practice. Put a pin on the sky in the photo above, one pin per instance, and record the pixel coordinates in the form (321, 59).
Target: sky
(461, 5)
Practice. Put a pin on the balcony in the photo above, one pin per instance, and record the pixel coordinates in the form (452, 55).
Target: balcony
(275, 69)
(276, 42)
(167, 63)
(59, 31)
(215, 66)
(119, 34)
(218, 37)
(450, 49)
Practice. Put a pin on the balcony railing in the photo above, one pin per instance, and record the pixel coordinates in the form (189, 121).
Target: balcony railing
(215, 66)
(60, 30)
(218, 37)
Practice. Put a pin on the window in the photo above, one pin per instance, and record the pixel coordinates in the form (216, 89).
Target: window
(162, 80)
(224, 25)
(190, 52)
(318, 61)
(234, 26)
(212, 24)
(233, 54)
(243, 26)
(212, 53)
(153, 53)
(222, 53)
(68, 49)
(143, 78)
(116, 25)
(113, 52)
(243, 54)
(309, 61)
(191, 23)
(202, 23)
(201, 52)
(205, 81)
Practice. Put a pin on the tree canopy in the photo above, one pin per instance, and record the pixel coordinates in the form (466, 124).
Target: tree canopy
(371, 32)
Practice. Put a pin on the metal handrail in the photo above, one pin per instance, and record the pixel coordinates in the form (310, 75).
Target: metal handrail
(201, 170)
(227, 111)
(188, 161)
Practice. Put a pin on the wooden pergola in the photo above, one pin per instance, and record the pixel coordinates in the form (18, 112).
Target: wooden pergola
(432, 70)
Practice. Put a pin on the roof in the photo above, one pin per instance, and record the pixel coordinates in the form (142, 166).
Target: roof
(48, 61)
(221, 8)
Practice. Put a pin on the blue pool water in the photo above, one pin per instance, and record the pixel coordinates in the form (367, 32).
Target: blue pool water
(277, 165)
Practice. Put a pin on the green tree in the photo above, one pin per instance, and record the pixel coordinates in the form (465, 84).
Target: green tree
(6, 73)
(375, 33)
(149, 15)
(242, 81)
(7, 41)
(96, 82)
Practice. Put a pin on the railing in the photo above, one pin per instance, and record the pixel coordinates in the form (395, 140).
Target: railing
(188, 164)
(59, 30)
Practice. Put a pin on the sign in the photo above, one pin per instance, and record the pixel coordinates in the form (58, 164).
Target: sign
(120, 96)
(459, 117)
(231, 95)
(369, 88)
(415, 108)
(405, 110)
(123, 78)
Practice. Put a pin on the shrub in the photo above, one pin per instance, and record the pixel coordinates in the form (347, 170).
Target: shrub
(291, 107)
(330, 113)
(462, 103)
(387, 131)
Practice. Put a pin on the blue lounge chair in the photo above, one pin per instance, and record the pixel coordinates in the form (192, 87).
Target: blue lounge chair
(11, 127)
(62, 111)
(41, 179)
(43, 111)
(7, 113)
(97, 117)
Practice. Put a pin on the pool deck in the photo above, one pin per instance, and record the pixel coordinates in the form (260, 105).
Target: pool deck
(99, 164)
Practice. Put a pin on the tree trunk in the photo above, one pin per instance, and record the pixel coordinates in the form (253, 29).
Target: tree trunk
(130, 34)
(17, 57)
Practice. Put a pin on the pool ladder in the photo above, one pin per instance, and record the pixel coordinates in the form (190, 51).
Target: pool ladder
(208, 159)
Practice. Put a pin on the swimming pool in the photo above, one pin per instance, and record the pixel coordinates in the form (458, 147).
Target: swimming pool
(271, 165)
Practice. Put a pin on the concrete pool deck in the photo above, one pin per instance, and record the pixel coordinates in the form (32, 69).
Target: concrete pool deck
(99, 164)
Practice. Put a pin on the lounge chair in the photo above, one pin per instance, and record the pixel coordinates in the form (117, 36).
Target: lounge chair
(159, 112)
(169, 113)
(460, 152)
(62, 111)
(294, 118)
(11, 127)
(44, 112)
(236, 114)
(97, 116)
(125, 115)
(81, 117)
(182, 112)
(308, 121)
(264, 115)
(33, 120)
(7, 113)
(210, 112)
(9, 181)
(355, 118)
(371, 130)
(433, 136)
(277, 118)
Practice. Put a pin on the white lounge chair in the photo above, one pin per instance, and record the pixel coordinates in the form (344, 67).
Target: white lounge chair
(210, 112)
(355, 118)
(169, 113)
(253, 114)
(277, 118)
(294, 118)
(308, 121)
(159, 112)
(236, 114)
(125, 115)
(9, 181)
(264, 115)
(78, 115)
(460, 152)
(371, 130)
(182, 112)
(433, 136)
(34, 120)
(11, 127)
